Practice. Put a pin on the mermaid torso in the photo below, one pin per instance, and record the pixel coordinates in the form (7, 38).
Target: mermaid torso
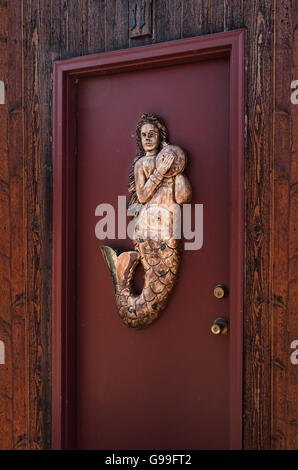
(159, 200)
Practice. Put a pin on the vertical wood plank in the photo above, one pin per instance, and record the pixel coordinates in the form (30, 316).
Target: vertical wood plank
(204, 17)
(292, 418)
(17, 246)
(6, 384)
(116, 30)
(195, 17)
(66, 30)
(93, 26)
(233, 14)
(285, 285)
(55, 15)
(167, 20)
(13, 309)
(37, 352)
(257, 318)
(211, 16)
(73, 22)
(216, 17)
(37, 201)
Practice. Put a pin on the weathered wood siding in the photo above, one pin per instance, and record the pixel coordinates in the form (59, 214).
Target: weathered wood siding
(35, 33)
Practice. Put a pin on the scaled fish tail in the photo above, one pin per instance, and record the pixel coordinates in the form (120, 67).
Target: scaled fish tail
(160, 261)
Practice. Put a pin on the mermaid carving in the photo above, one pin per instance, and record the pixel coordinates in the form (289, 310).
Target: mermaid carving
(157, 186)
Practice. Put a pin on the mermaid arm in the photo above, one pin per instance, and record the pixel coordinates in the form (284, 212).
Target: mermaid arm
(145, 188)
(182, 189)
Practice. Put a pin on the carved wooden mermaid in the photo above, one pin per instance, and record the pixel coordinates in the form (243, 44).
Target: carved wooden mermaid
(157, 185)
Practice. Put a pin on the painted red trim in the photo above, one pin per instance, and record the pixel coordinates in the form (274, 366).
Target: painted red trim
(237, 238)
(63, 285)
(179, 51)
(57, 279)
(63, 324)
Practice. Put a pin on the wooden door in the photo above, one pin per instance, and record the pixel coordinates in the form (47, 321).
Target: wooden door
(174, 385)
(167, 386)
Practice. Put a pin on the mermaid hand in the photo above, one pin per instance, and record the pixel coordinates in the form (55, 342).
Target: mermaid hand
(165, 163)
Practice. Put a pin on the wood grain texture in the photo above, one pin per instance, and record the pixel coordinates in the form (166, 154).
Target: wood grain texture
(6, 379)
(93, 26)
(285, 242)
(203, 17)
(35, 154)
(116, 25)
(257, 319)
(13, 403)
(234, 14)
(292, 393)
(55, 29)
(195, 17)
(167, 20)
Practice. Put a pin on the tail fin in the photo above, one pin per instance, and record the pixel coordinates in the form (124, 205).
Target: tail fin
(121, 266)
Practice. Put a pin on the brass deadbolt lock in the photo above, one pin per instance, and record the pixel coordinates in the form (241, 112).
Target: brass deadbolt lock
(220, 291)
(220, 326)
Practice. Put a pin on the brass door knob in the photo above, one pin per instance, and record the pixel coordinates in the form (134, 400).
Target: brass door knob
(220, 326)
(220, 291)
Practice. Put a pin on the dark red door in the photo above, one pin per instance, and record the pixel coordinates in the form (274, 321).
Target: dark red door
(169, 386)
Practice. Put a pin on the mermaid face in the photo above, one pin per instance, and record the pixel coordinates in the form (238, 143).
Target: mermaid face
(150, 138)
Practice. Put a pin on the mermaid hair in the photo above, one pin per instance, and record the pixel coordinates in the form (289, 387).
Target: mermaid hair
(163, 141)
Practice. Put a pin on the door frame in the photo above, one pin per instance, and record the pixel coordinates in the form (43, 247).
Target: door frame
(66, 74)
